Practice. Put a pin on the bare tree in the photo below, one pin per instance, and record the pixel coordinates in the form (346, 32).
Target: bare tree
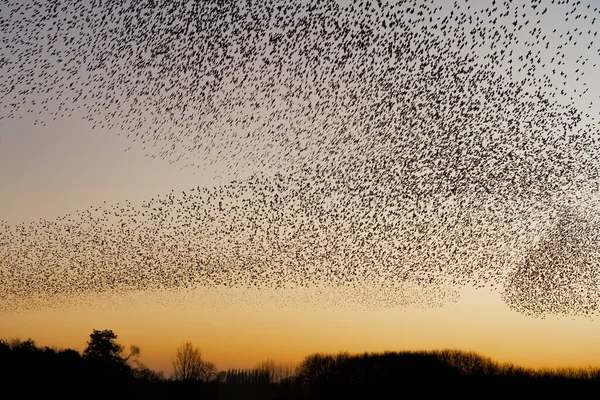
(209, 372)
(134, 355)
(143, 372)
(187, 364)
(276, 371)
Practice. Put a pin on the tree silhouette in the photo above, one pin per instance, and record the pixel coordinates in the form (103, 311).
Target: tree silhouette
(210, 373)
(133, 356)
(103, 347)
(187, 364)
(25, 367)
(276, 371)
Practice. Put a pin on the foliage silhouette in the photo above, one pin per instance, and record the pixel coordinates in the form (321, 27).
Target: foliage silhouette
(30, 370)
(103, 347)
(104, 353)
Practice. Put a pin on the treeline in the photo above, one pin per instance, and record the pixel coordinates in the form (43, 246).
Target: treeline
(436, 373)
(28, 371)
(106, 370)
(266, 372)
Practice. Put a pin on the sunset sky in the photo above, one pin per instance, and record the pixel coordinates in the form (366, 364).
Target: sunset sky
(49, 171)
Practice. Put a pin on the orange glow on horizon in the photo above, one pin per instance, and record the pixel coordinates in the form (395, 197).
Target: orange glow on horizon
(238, 335)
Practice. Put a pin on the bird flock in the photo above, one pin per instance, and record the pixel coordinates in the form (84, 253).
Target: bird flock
(389, 153)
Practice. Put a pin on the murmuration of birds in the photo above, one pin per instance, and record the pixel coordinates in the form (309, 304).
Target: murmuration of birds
(379, 150)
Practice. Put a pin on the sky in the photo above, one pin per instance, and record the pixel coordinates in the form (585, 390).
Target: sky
(68, 163)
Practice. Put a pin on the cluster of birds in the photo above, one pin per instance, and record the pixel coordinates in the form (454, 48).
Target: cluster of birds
(385, 148)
